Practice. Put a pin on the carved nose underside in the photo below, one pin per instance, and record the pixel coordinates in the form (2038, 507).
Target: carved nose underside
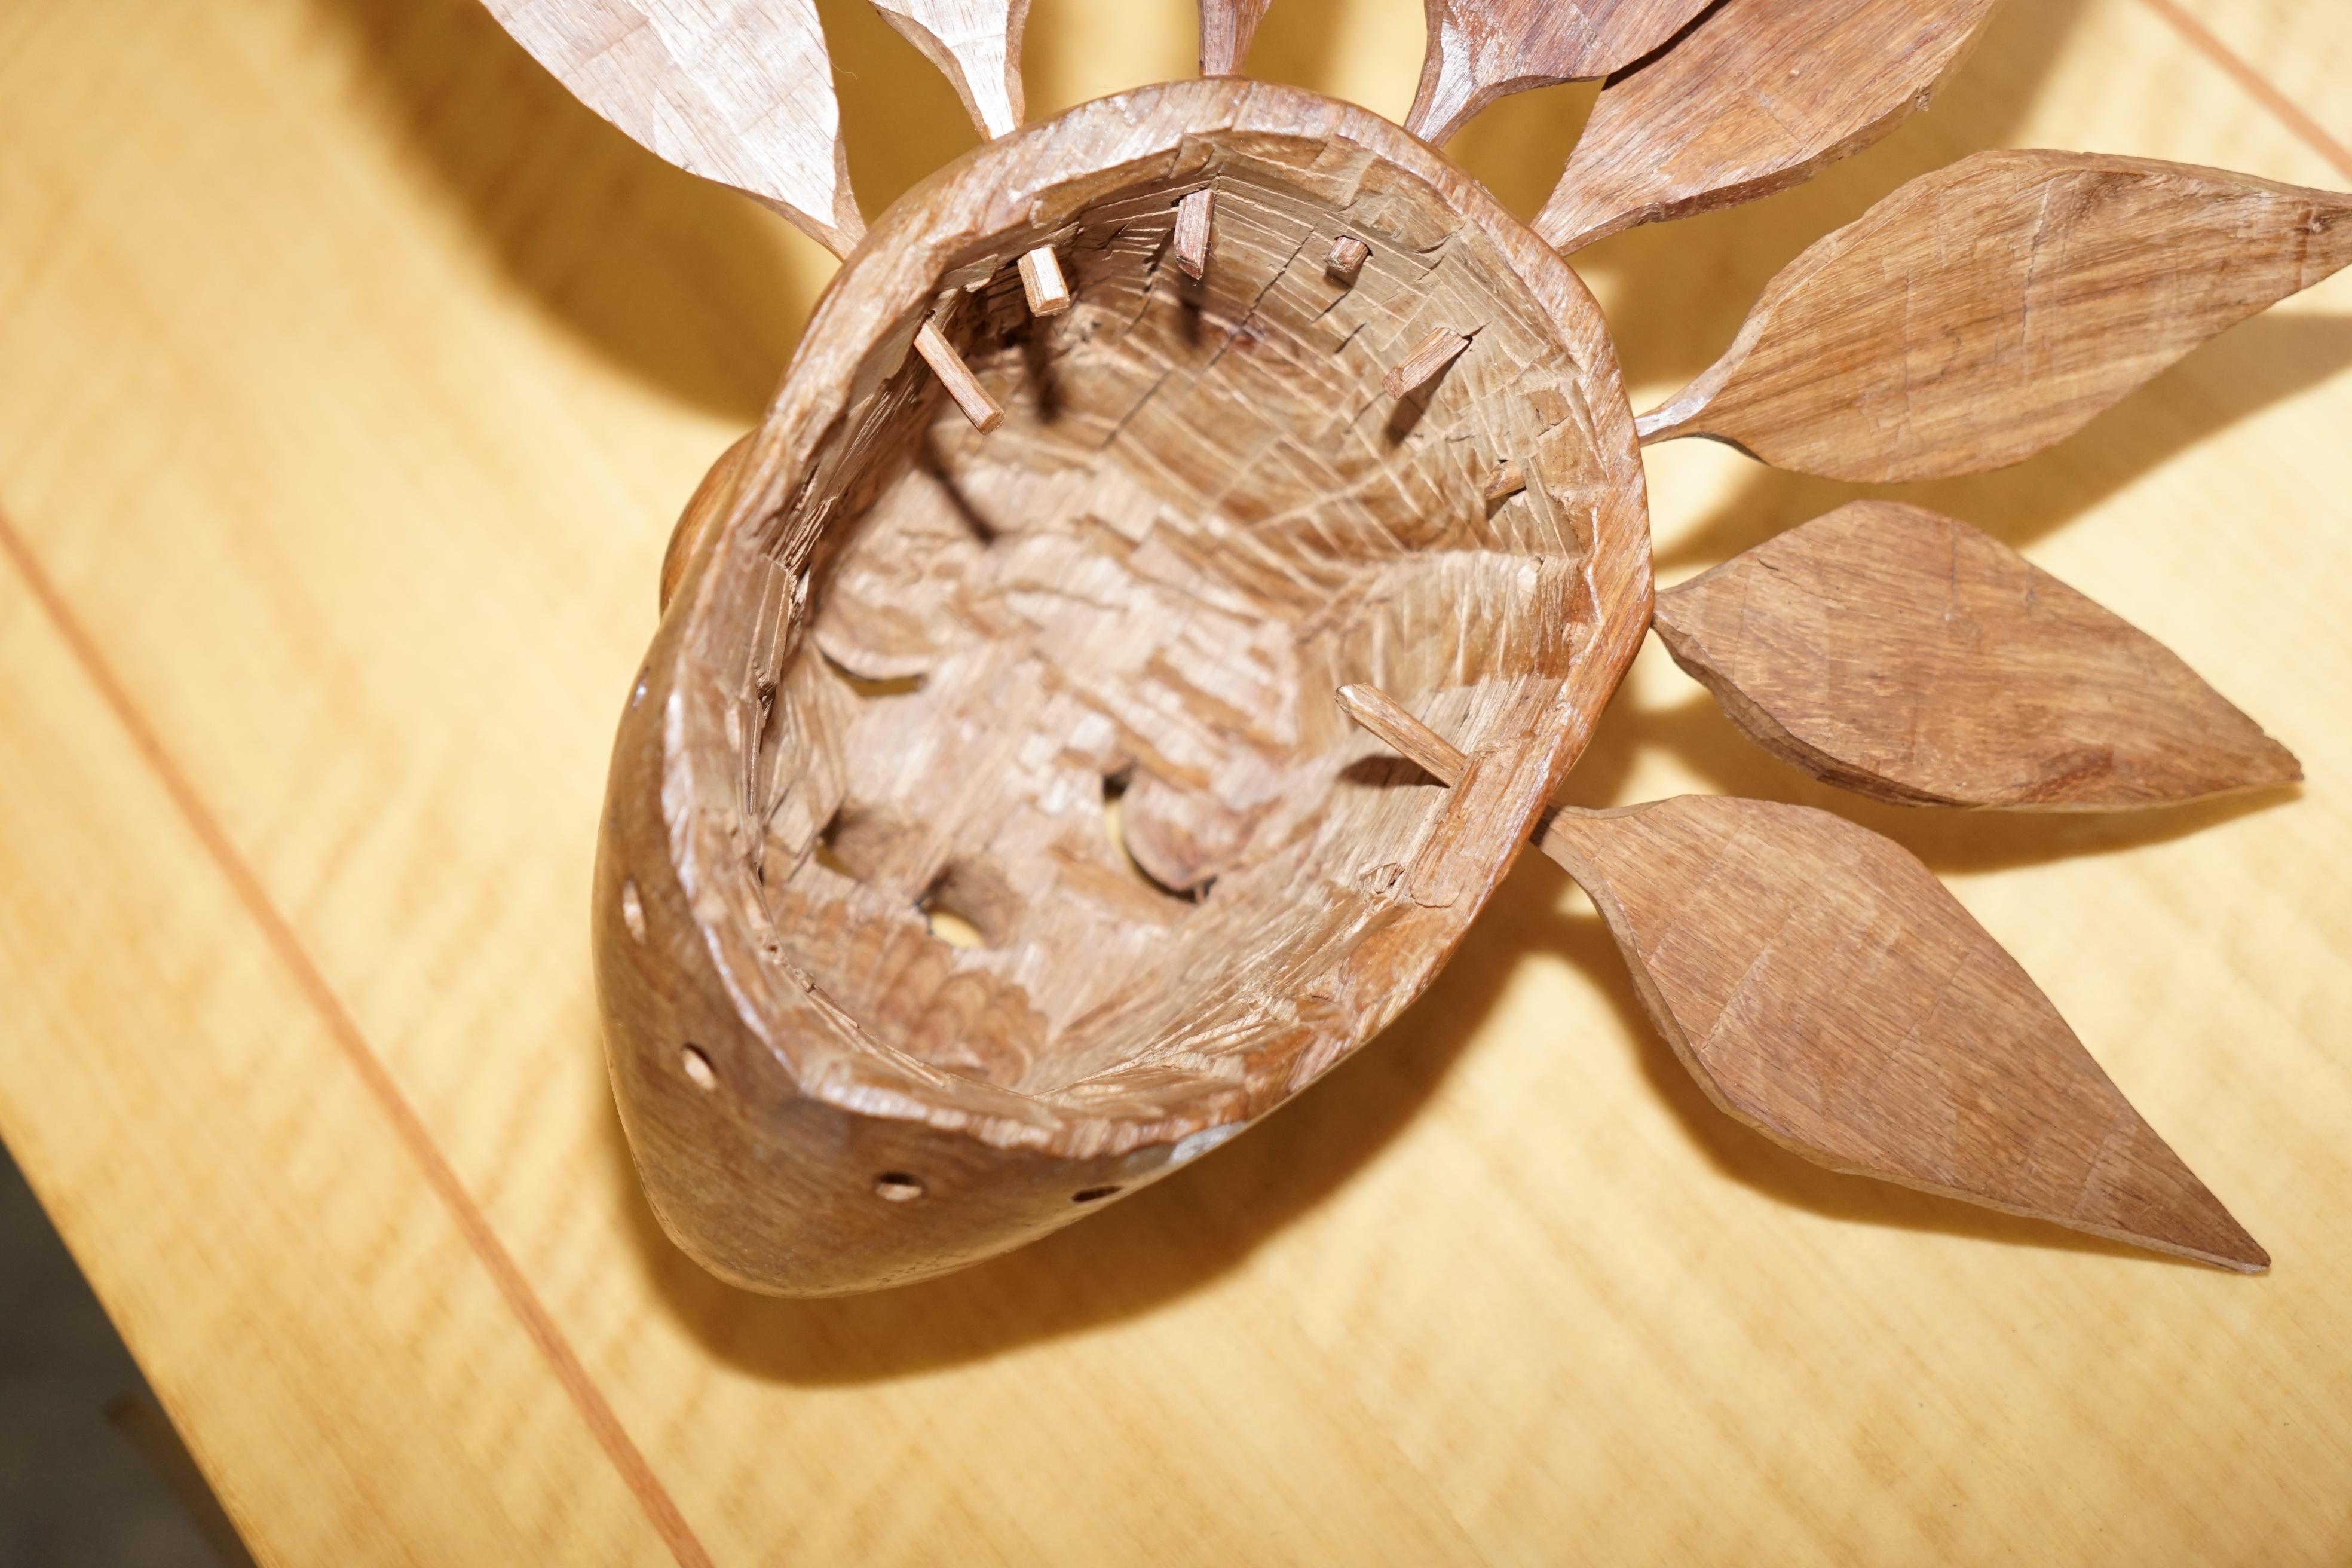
(1002, 783)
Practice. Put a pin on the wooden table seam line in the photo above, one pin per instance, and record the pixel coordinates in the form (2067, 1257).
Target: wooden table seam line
(407, 1125)
(2289, 113)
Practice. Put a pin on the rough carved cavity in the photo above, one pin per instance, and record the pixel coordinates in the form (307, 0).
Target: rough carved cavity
(1051, 793)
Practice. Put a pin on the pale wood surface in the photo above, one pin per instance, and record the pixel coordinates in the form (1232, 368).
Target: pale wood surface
(356, 375)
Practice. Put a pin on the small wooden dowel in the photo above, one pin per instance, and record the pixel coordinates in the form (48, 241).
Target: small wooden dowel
(1386, 719)
(957, 377)
(1192, 216)
(1433, 354)
(1041, 282)
(1347, 260)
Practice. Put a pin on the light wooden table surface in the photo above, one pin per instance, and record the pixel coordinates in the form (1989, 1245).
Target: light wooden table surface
(350, 376)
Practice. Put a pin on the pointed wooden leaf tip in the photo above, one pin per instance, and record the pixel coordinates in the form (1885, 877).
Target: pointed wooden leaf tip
(1757, 97)
(740, 91)
(1226, 29)
(1824, 988)
(1913, 659)
(1480, 51)
(1993, 307)
(976, 44)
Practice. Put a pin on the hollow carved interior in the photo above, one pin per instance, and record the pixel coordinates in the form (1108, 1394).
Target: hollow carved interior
(1055, 796)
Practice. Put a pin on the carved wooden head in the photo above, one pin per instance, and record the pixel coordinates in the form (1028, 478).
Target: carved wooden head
(984, 838)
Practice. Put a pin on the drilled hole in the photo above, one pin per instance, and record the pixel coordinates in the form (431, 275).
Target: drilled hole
(970, 904)
(1093, 1194)
(1115, 828)
(828, 856)
(897, 1187)
(633, 909)
(696, 1068)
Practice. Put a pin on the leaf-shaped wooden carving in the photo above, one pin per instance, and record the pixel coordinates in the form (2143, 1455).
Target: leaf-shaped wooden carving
(1825, 989)
(740, 91)
(1226, 29)
(1480, 51)
(1985, 310)
(976, 44)
(1914, 658)
(1758, 96)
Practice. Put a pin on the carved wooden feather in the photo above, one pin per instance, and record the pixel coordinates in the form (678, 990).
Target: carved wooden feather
(1755, 99)
(1226, 29)
(1913, 659)
(976, 44)
(1985, 310)
(1480, 51)
(1824, 988)
(740, 91)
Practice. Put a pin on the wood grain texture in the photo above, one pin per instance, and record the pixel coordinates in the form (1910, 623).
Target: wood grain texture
(740, 91)
(976, 44)
(1196, 216)
(1226, 29)
(1441, 347)
(355, 376)
(1480, 51)
(1825, 989)
(1913, 659)
(910, 669)
(1759, 97)
(1991, 308)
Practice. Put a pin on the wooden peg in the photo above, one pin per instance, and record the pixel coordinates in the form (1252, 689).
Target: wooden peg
(1480, 51)
(1825, 989)
(1697, 128)
(1041, 282)
(1509, 480)
(1432, 355)
(1347, 260)
(1193, 216)
(956, 376)
(1387, 720)
(1885, 353)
